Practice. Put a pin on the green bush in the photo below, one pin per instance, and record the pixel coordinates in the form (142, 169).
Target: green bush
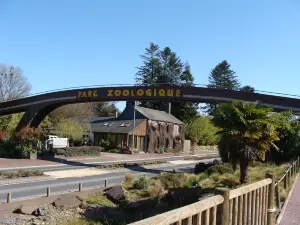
(172, 180)
(79, 151)
(115, 150)
(142, 183)
(220, 168)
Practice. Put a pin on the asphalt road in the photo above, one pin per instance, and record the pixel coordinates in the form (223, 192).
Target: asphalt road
(63, 185)
(69, 165)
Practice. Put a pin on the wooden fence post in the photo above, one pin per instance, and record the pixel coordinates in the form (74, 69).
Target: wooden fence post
(48, 191)
(271, 209)
(285, 181)
(277, 194)
(80, 187)
(223, 214)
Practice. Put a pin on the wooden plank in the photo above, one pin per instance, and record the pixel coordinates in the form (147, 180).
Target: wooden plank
(213, 215)
(253, 206)
(190, 220)
(240, 211)
(206, 217)
(175, 215)
(235, 211)
(198, 219)
(257, 207)
(249, 210)
(230, 211)
(248, 188)
(245, 207)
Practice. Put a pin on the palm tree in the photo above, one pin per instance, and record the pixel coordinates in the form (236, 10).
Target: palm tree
(247, 131)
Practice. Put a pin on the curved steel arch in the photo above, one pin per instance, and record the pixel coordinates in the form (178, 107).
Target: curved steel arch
(37, 107)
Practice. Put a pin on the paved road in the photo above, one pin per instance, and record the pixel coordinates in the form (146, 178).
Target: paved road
(93, 163)
(37, 189)
(291, 215)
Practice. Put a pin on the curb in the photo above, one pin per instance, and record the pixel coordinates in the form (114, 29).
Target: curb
(286, 201)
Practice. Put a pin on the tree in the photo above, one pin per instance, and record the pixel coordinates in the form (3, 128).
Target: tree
(165, 67)
(105, 109)
(13, 84)
(222, 77)
(71, 129)
(247, 131)
(203, 130)
(247, 88)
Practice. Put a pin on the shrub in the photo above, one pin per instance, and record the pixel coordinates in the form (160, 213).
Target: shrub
(104, 144)
(142, 183)
(129, 178)
(220, 168)
(202, 167)
(79, 151)
(157, 190)
(191, 181)
(3, 135)
(172, 180)
(115, 150)
(229, 180)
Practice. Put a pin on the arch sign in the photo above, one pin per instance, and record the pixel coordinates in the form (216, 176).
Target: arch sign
(130, 92)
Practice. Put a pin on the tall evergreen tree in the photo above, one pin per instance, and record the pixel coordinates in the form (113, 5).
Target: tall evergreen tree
(222, 77)
(247, 88)
(161, 67)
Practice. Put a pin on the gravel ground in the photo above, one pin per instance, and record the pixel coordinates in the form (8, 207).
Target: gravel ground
(292, 211)
(51, 215)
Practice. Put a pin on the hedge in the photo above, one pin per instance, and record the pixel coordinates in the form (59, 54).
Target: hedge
(79, 151)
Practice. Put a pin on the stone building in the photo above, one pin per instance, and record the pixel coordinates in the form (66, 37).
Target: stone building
(153, 130)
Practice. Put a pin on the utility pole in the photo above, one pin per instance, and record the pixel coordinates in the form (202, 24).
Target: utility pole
(133, 125)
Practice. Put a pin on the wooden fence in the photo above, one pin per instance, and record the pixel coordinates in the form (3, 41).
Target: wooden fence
(253, 204)
(286, 179)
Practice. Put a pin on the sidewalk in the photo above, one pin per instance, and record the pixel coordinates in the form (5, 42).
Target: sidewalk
(291, 215)
(104, 157)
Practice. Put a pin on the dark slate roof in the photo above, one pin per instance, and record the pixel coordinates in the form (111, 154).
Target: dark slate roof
(157, 115)
(114, 125)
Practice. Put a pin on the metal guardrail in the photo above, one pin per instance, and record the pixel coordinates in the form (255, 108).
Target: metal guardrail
(126, 85)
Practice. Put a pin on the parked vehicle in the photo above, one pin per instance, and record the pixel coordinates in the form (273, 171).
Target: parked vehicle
(54, 142)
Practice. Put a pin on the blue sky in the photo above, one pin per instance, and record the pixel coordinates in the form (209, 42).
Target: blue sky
(61, 44)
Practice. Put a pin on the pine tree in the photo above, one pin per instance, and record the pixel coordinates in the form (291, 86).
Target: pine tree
(247, 88)
(221, 77)
(165, 67)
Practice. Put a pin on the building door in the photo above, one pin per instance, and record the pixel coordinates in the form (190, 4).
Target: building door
(142, 143)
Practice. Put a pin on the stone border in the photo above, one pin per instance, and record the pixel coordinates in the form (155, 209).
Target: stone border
(282, 211)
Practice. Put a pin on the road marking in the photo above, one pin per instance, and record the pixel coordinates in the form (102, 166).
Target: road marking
(24, 180)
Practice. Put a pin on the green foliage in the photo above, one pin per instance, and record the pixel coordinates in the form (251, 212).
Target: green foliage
(115, 150)
(8, 123)
(105, 109)
(72, 129)
(21, 173)
(248, 132)
(203, 130)
(289, 134)
(142, 182)
(172, 180)
(79, 151)
(202, 167)
(104, 144)
(164, 66)
(222, 77)
(220, 168)
(247, 88)
(100, 199)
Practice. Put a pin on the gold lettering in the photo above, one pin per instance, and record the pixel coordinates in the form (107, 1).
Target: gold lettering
(117, 92)
(148, 92)
(170, 93)
(110, 93)
(95, 94)
(90, 94)
(140, 92)
(132, 93)
(178, 93)
(84, 95)
(125, 92)
(162, 92)
(154, 92)
(79, 94)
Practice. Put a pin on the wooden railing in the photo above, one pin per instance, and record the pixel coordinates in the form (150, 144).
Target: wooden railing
(287, 182)
(250, 204)
(245, 205)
